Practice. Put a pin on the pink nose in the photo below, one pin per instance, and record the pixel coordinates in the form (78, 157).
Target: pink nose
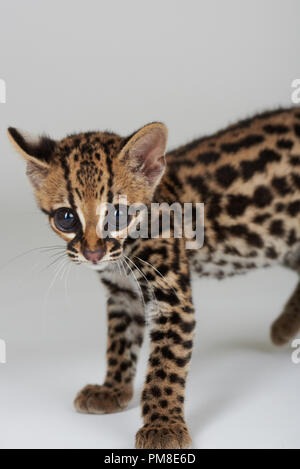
(93, 256)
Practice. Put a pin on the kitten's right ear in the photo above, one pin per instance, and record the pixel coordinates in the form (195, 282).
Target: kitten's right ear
(37, 151)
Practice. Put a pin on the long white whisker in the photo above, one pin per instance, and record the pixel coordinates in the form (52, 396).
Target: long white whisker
(151, 288)
(124, 270)
(22, 283)
(59, 256)
(31, 271)
(66, 274)
(57, 272)
(159, 273)
(141, 293)
(29, 251)
(118, 263)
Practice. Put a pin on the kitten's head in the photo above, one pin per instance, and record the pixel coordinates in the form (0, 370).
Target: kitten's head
(75, 179)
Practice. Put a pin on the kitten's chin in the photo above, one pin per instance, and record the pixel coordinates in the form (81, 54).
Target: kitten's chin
(101, 266)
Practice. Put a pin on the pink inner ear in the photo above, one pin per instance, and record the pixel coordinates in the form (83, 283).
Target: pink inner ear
(150, 150)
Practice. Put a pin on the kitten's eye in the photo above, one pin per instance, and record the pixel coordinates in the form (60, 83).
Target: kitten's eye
(121, 218)
(66, 220)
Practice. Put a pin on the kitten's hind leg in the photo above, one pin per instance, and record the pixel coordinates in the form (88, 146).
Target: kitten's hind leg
(125, 336)
(288, 323)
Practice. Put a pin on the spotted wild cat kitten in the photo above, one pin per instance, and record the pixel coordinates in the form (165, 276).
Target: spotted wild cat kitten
(248, 176)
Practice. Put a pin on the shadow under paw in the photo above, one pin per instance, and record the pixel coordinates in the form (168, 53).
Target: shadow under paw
(174, 436)
(95, 399)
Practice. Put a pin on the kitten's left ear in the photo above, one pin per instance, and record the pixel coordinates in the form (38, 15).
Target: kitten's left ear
(145, 152)
(37, 151)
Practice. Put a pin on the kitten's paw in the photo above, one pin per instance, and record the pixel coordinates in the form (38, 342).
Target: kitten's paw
(282, 332)
(173, 436)
(94, 399)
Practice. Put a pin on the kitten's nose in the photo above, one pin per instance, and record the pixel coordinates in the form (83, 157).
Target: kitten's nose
(93, 256)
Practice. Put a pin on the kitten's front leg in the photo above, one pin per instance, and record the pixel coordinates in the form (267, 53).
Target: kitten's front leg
(125, 314)
(171, 347)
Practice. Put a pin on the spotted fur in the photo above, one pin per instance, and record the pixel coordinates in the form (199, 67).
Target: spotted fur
(248, 176)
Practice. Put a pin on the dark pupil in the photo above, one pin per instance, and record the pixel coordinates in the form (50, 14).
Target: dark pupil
(65, 220)
(68, 216)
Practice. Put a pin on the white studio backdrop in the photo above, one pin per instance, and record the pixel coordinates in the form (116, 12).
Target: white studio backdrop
(197, 66)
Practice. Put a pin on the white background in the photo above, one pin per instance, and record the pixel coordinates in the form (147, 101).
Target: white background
(83, 65)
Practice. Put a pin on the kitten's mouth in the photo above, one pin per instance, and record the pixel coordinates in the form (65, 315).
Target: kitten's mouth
(100, 265)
